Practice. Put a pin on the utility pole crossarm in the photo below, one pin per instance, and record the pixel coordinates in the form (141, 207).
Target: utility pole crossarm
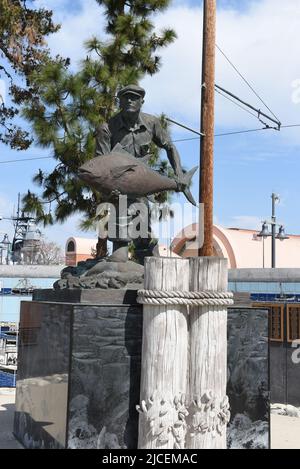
(259, 112)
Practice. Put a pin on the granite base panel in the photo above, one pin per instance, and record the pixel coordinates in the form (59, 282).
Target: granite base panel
(248, 380)
(78, 375)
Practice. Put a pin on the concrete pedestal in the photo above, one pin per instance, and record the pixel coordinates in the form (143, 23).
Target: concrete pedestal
(79, 371)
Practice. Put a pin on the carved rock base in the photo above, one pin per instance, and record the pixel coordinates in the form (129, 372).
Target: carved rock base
(101, 274)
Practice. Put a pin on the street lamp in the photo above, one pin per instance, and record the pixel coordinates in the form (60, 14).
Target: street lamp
(281, 235)
(265, 230)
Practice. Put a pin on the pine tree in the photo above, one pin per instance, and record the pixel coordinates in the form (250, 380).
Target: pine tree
(22, 49)
(70, 105)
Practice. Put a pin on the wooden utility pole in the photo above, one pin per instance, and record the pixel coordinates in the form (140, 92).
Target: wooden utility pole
(207, 123)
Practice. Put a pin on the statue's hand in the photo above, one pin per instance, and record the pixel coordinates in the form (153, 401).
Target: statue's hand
(181, 182)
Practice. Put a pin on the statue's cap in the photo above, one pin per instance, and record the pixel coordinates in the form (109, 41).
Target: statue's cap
(133, 89)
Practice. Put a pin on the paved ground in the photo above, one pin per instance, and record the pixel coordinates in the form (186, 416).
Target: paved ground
(285, 430)
(7, 407)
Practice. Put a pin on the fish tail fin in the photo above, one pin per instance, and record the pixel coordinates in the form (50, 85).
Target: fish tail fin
(187, 179)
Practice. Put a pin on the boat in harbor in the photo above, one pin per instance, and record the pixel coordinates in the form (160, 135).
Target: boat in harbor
(23, 287)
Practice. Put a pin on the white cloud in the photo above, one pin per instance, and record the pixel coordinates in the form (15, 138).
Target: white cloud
(185, 214)
(261, 41)
(59, 233)
(247, 222)
(79, 22)
(176, 88)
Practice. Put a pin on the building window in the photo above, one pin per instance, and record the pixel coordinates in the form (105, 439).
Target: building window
(71, 246)
(293, 323)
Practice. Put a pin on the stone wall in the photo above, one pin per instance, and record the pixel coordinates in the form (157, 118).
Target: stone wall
(248, 378)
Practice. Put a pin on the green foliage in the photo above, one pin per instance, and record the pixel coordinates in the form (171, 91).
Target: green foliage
(69, 106)
(22, 50)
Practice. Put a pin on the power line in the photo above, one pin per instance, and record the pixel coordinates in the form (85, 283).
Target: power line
(26, 159)
(238, 132)
(243, 132)
(258, 111)
(219, 135)
(225, 134)
(186, 139)
(175, 141)
(246, 81)
(234, 102)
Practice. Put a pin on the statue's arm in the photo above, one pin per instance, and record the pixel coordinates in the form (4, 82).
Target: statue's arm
(162, 139)
(103, 140)
(174, 158)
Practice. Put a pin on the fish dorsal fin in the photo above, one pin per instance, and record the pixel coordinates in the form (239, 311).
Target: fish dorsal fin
(118, 172)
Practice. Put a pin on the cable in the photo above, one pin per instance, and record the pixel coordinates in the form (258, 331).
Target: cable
(238, 132)
(234, 102)
(26, 159)
(184, 126)
(249, 106)
(246, 81)
(243, 132)
(225, 134)
(173, 141)
(186, 139)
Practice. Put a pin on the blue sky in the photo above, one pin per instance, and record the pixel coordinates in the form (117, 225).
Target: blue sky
(261, 38)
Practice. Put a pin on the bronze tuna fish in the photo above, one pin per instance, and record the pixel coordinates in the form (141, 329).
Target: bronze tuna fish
(130, 176)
